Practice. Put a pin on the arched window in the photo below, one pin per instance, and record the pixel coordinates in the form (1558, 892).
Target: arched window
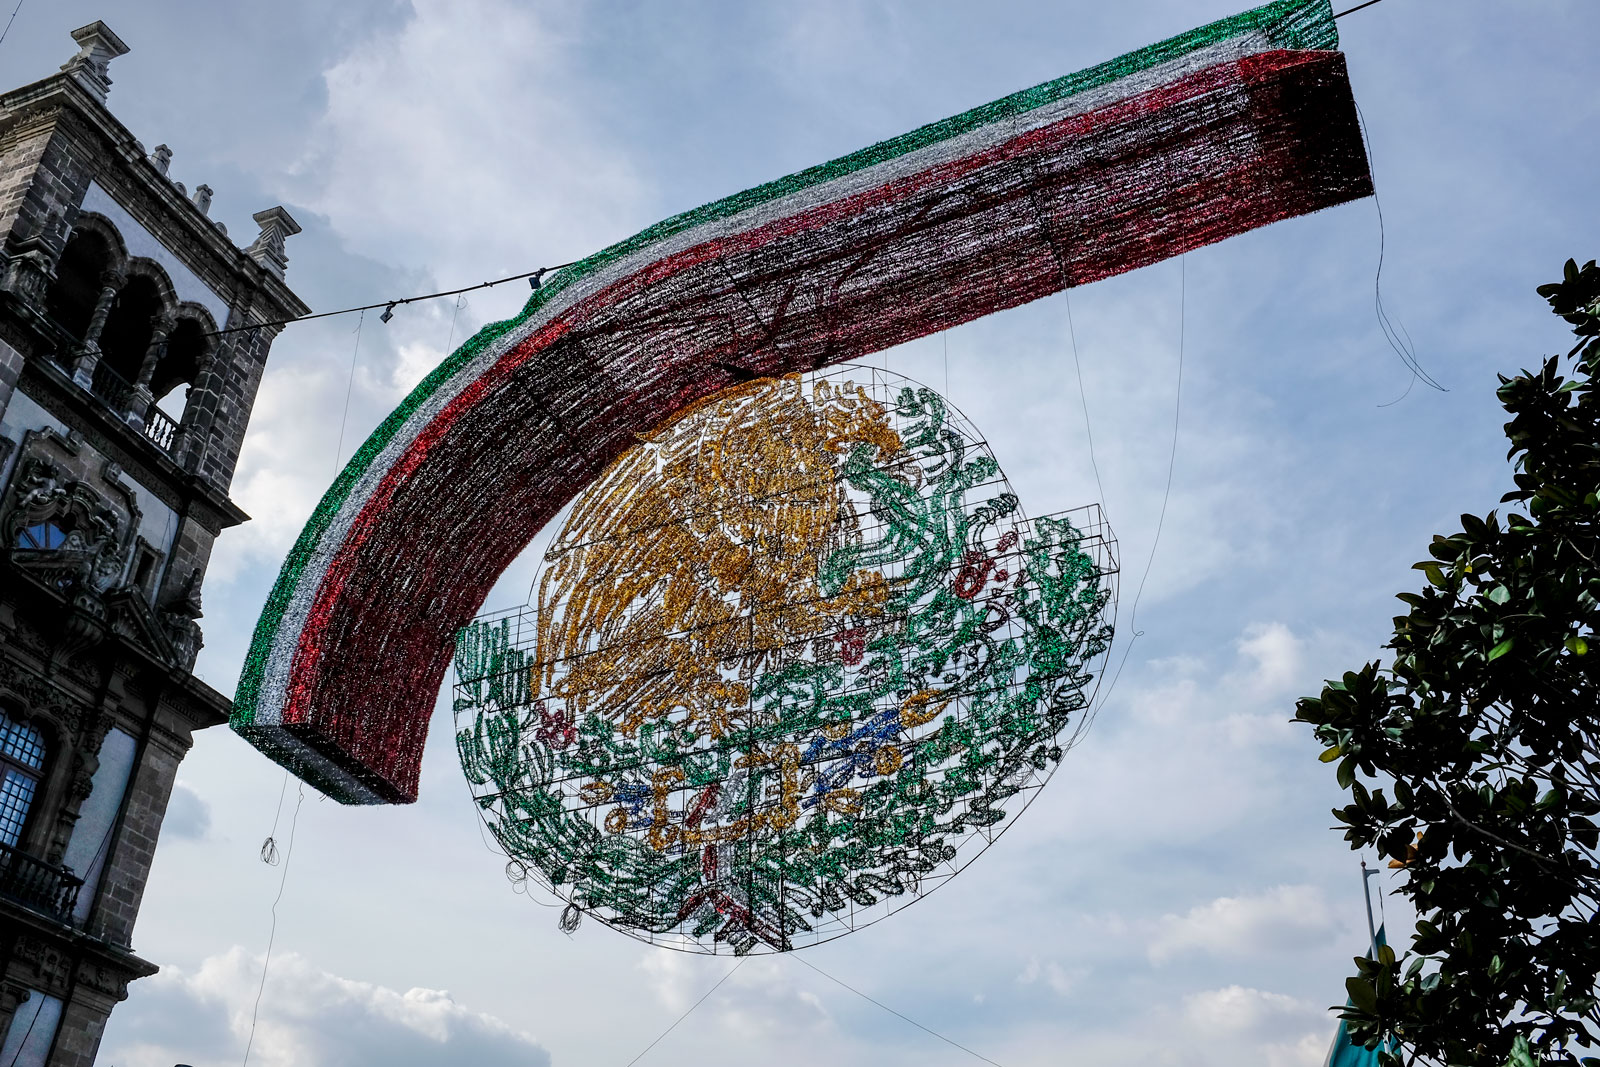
(72, 296)
(21, 768)
(178, 367)
(126, 338)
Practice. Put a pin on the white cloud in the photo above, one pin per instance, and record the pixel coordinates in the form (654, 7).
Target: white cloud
(188, 816)
(1286, 917)
(308, 1018)
(462, 139)
(1278, 656)
(1237, 1010)
(1308, 1050)
(1060, 981)
(758, 1001)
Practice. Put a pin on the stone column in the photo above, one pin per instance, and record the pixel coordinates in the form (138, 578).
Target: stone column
(185, 443)
(139, 398)
(87, 352)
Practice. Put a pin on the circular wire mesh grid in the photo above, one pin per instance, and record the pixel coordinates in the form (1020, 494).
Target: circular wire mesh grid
(795, 660)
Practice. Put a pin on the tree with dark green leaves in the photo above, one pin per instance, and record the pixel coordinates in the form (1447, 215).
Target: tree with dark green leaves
(1473, 758)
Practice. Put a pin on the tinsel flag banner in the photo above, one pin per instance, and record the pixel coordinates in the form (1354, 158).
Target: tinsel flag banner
(797, 658)
(1181, 144)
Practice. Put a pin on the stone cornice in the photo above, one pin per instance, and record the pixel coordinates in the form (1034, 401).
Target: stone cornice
(210, 253)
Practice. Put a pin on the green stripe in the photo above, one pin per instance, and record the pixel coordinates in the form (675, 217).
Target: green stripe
(1294, 24)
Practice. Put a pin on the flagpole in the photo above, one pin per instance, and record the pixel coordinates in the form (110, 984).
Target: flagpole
(1366, 893)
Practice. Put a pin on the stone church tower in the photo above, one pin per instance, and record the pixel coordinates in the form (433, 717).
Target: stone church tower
(123, 402)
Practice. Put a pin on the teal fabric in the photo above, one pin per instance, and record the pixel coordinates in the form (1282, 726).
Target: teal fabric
(1345, 1054)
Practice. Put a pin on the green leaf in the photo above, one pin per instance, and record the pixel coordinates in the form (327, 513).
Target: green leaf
(1501, 649)
(1332, 754)
(1362, 995)
(1346, 774)
(1521, 1054)
(1499, 594)
(1577, 646)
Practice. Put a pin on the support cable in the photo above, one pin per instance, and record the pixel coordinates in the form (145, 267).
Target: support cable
(272, 932)
(348, 389)
(891, 1011)
(1166, 496)
(9, 21)
(1353, 10)
(534, 276)
(690, 1012)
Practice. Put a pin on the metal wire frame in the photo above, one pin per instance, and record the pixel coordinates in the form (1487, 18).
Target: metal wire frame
(521, 626)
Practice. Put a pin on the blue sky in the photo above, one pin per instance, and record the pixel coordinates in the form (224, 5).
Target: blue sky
(1175, 896)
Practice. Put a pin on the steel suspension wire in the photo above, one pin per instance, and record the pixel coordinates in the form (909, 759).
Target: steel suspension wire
(348, 390)
(9, 21)
(390, 305)
(891, 1011)
(272, 933)
(685, 1015)
(1172, 462)
(1353, 10)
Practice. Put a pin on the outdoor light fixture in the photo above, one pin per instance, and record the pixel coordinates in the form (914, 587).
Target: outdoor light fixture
(388, 313)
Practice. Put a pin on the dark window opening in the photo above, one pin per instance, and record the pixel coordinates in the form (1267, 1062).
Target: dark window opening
(144, 568)
(72, 296)
(179, 367)
(21, 768)
(50, 534)
(126, 338)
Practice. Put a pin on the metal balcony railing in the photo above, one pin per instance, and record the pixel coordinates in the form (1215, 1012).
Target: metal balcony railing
(37, 885)
(117, 392)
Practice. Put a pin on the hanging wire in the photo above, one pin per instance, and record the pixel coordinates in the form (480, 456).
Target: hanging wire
(1353, 10)
(37, 1009)
(1172, 463)
(891, 1011)
(272, 933)
(946, 335)
(690, 1012)
(534, 276)
(9, 21)
(1393, 330)
(269, 847)
(1083, 396)
(460, 301)
(348, 389)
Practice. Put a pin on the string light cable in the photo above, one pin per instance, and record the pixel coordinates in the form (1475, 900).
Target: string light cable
(535, 280)
(534, 276)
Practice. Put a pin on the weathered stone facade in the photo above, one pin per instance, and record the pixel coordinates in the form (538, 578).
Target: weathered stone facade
(124, 399)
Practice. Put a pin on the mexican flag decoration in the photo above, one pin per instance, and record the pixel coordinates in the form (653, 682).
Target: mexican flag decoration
(1186, 142)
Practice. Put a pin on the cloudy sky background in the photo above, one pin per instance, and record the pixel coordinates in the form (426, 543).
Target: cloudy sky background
(1175, 896)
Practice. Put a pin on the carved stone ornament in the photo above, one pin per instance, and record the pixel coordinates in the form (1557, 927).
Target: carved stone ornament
(73, 527)
(51, 968)
(39, 697)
